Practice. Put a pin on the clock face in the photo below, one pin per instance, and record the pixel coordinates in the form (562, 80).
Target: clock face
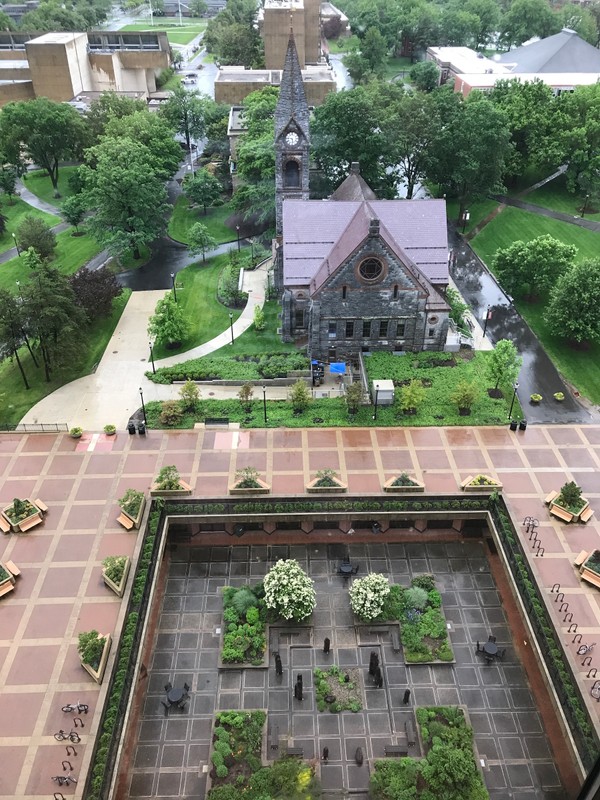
(292, 138)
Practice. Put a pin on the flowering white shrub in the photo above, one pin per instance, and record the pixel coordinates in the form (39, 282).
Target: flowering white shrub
(367, 595)
(289, 590)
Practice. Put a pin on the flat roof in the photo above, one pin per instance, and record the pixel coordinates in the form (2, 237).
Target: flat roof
(463, 59)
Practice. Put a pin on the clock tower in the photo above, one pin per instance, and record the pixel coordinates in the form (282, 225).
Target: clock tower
(292, 137)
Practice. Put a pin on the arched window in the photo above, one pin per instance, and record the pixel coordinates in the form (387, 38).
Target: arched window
(395, 291)
(292, 174)
(344, 292)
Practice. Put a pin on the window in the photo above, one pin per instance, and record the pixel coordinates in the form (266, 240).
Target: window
(366, 328)
(431, 332)
(383, 328)
(344, 292)
(400, 329)
(396, 292)
(370, 269)
(291, 175)
(299, 323)
(349, 328)
(332, 331)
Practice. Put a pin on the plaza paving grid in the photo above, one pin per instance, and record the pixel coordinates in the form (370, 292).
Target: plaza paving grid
(60, 592)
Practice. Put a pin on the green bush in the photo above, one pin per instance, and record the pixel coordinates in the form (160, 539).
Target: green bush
(242, 368)
(416, 597)
(426, 582)
(222, 771)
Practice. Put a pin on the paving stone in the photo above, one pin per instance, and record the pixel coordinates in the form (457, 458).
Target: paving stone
(228, 701)
(332, 776)
(353, 724)
(303, 725)
(253, 699)
(529, 722)
(169, 784)
(141, 784)
(511, 747)
(487, 747)
(396, 676)
(334, 745)
(418, 566)
(447, 696)
(173, 755)
(358, 777)
(519, 776)
(546, 775)
(497, 698)
(378, 724)
(504, 723)
(537, 747)
(423, 696)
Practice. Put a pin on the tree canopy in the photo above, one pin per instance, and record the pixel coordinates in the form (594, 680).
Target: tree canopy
(168, 324)
(155, 133)
(186, 113)
(504, 363)
(571, 312)
(533, 267)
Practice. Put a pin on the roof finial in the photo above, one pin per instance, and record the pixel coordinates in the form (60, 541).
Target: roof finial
(291, 25)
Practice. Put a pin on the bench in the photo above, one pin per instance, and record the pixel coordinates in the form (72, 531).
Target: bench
(552, 496)
(275, 641)
(586, 514)
(296, 752)
(41, 505)
(274, 738)
(395, 639)
(591, 577)
(6, 588)
(410, 733)
(395, 750)
(4, 525)
(12, 568)
(125, 521)
(29, 523)
(216, 421)
(581, 558)
(556, 511)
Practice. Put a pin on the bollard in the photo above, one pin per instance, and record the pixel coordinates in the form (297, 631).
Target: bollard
(326, 645)
(406, 697)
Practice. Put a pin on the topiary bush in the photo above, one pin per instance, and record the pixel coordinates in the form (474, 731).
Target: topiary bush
(289, 591)
(416, 597)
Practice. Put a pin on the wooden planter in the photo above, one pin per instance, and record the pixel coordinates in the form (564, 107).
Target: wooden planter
(7, 584)
(23, 524)
(137, 519)
(118, 588)
(312, 487)
(262, 488)
(563, 513)
(389, 487)
(99, 674)
(184, 490)
(467, 486)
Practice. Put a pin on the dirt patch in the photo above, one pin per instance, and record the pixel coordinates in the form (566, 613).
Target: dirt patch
(335, 692)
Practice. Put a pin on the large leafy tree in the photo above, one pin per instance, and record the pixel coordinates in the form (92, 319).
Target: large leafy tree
(578, 118)
(488, 15)
(128, 199)
(48, 132)
(571, 311)
(107, 106)
(200, 240)
(155, 133)
(533, 267)
(8, 181)
(36, 233)
(11, 325)
(503, 364)
(186, 113)
(168, 324)
(95, 291)
(369, 59)
(526, 19)
(202, 188)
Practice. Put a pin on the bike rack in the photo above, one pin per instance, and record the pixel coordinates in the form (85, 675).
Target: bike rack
(589, 675)
(588, 659)
(563, 607)
(555, 588)
(576, 638)
(561, 595)
(570, 614)
(540, 551)
(71, 747)
(59, 796)
(78, 720)
(68, 768)
(574, 626)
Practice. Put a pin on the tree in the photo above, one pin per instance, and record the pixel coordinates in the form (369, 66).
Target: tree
(300, 397)
(245, 395)
(107, 106)
(421, 25)
(186, 113)
(369, 59)
(198, 7)
(578, 117)
(8, 181)
(73, 210)
(168, 324)
(460, 28)
(34, 232)
(128, 199)
(412, 396)
(202, 188)
(3, 221)
(503, 365)
(49, 133)
(200, 240)
(458, 308)
(155, 133)
(532, 267)
(95, 291)
(464, 395)
(488, 15)
(353, 396)
(240, 44)
(571, 311)
(580, 20)
(258, 319)
(11, 325)
(425, 76)
(190, 396)
(526, 19)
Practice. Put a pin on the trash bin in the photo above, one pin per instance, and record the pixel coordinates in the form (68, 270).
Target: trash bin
(142, 429)
(513, 425)
(131, 428)
(523, 425)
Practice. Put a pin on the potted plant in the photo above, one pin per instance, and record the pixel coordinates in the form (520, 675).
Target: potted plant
(75, 433)
(22, 514)
(110, 430)
(132, 505)
(403, 483)
(168, 483)
(248, 482)
(569, 502)
(93, 649)
(326, 482)
(536, 398)
(115, 570)
(481, 483)
(560, 396)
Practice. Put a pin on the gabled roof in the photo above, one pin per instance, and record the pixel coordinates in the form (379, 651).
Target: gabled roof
(313, 228)
(291, 104)
(563, 52)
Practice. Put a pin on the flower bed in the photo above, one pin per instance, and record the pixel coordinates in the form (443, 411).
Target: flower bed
(403, 483)
(481, 483)
(115, 570)
(244, 618)
(332, 683)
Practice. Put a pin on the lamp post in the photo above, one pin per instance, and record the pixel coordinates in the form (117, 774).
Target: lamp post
(515, 387)
(174, 289)
(237, 227)
(252, 250)
(231, 326)
(376, 401)
(268, 284)
(487, 316)
(264, 388)
(143, 406)
(152, 358)
(583, 210)
(17, 245)
(465, 219)
(19, 289)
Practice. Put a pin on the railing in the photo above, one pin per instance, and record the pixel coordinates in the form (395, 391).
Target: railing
(34, 427)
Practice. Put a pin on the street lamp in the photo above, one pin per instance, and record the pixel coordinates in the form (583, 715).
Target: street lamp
(231, 326)
(152, 358)
(17, 245)
(376, 401)
(237, 227)
(174, 289)
(19, 289)
(583, 210)
(143, 406)
(515, 387)
(465, 218)
(487, 316)
(264, 388)
(252, 250)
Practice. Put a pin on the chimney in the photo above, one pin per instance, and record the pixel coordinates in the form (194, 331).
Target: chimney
(373, 228)
(355, 168)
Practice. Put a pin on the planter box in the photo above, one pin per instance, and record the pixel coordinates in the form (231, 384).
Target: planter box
(99, 674)
(239, 665)
(262, 488)
(563, 513)
(25, 524)
(118, 588)
(388, 486)
(467, 486)
(7, 584)
(312, 487)
(137, 519)
(184, 490)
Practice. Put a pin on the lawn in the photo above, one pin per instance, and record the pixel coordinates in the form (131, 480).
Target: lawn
(554, 195)
(14, 214)
(343, 44)
(173, 82)
(477, 212)
(258, 342)
(183, 217)
(176, 33)
(80, 359)
(197, 294)
(72, 252)
(39, 183)
(396, 65)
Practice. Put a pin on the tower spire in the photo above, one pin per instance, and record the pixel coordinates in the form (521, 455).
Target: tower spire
(292, 99)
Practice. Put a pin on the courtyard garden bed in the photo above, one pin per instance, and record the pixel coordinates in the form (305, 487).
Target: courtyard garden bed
(22, 515)
(336, 693)
(481, 483)
(403, 484)
(239, 368)
(244, 626)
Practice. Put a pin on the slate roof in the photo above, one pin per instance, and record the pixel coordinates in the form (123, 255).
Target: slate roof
(563, 52)
(313, 228)
(354, 187)
(291, 103)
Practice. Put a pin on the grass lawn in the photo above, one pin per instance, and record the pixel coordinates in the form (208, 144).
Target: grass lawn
(127, 262)
(14, 215)
(176, 33)
(257, 342)
(554, 195)
(183, 217)
(396, 65)
(39, 183)
(477, 212)
(173, 82)
(197, 294)
(81, 357)
(343, 44)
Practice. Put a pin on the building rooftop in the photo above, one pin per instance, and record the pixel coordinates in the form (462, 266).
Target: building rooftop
(463, 59)
(565, 52)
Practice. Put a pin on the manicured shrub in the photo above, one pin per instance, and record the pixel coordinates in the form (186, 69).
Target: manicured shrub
(416, 597)
(289, 591)
(367, 595)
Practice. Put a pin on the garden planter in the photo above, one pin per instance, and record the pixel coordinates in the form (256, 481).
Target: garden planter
(98, 674)
(118, 588)
(564, 513)
(7, 580)
(388, 486)
(184, 490)
(138, 518)
(26, 522)
(481, 488)
(262, 488)
(314, 488)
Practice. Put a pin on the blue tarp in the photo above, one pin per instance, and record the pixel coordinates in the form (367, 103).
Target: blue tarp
(337, 368)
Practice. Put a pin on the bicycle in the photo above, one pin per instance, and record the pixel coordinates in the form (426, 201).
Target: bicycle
(64, 780)
(585, 649)
(77, 708)
(72, 736)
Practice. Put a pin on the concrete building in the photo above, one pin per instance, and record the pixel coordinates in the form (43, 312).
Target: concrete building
(63, 65)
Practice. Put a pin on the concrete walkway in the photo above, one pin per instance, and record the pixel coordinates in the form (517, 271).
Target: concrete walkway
(590, 224)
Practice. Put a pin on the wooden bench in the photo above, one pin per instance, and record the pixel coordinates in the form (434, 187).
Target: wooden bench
(12, 568)
(395, 750)
(125, 521)
(590, 577)
(586, 514)
(185, 485)
(395, 639)
(274, 738)
(556, 511)
(4, 525)
(410, 733)
(41, 505)
(6, 588)
(552, 496)
(29, 523)
(296, 752)
(581, 558)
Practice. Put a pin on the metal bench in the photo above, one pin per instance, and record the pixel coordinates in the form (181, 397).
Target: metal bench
(215, 422)
(395, 639)
(395, 750)
(296, 752)
(125, 521)
(410, 733)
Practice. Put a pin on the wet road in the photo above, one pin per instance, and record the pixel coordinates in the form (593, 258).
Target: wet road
(538, 373)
